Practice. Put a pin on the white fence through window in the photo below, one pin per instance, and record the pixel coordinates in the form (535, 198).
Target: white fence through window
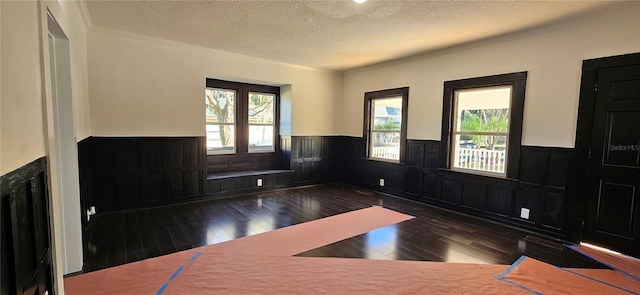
(386, 152)
(480, 159)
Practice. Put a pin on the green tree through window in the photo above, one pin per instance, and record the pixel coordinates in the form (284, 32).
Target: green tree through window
(221, 114)
(485, 120)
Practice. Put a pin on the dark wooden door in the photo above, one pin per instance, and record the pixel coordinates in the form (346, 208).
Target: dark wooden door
(612, 204)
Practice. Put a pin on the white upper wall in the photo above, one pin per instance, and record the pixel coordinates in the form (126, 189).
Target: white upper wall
(552, 56)
(22, 137)
(143, 86)
(21, 120)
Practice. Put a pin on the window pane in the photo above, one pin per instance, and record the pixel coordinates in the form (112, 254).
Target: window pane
(261, 108)
(385, 145)
(220, 139)
(220, 114)
(480, 152)
(386, 113)
(220, 105)
(260, 138)
(483, 109)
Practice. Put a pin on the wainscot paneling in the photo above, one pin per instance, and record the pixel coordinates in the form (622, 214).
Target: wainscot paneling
(224, 185)
(359, 170)
(86, 181)
(122, 173)
(312, 159)
(119, 173)
(542, 187)
(285, 151)
(244, 162)
(25, 236)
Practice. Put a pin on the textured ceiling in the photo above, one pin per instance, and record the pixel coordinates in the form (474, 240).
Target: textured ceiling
(333, 35)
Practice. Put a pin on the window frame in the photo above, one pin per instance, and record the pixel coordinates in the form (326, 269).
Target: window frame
(455, 132)
(402, 92)
(514, 139)
(242, 114)
(273, 124)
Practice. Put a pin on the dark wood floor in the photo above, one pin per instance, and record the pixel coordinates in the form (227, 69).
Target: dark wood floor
(434, 235)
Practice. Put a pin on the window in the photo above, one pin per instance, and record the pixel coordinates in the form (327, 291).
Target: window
(481, 128)
(482, 124)
(385, 124)
(240, 118)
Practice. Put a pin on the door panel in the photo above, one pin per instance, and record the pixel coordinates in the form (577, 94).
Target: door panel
(622, 143)
(611, 209)
(615, 209)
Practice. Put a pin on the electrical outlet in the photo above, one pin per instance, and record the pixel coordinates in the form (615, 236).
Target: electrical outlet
(259, 181)
(522, 246)
(524, 213)
(381, 181)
